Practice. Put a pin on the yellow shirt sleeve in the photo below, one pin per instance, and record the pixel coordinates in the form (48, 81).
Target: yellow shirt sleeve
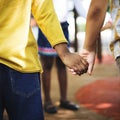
(46, 18)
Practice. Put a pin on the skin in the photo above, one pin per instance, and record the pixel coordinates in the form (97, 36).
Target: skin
(47, 63)
(72, 60)
(94, 23)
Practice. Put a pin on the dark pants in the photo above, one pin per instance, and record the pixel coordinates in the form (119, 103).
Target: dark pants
(20, 95)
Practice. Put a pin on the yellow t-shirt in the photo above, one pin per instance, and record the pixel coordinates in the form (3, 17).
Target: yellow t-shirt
(18, 48)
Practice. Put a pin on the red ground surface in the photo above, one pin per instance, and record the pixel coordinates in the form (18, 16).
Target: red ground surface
(102, 96)
(106, 59)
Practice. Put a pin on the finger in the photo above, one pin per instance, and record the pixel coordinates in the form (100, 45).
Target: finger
(80, 71)
(72, 71)
(76, 70)
(84, 62)
(85, 70)
(83, 66)
(80, 67)
(84, 54)
(90, 68)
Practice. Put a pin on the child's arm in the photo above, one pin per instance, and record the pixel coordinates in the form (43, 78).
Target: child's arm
(71, 60)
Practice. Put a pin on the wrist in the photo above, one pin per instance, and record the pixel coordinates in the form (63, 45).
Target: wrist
(62, 50)
(89, 48)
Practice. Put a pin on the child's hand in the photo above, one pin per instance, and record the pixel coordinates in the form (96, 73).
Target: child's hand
(75, 63)
(72, 60)
(90, 57)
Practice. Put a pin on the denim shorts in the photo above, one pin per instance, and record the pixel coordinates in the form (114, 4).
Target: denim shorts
(20, 95)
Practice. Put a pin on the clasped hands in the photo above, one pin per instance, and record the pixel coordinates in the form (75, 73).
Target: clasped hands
(86, 64)
(77, 63)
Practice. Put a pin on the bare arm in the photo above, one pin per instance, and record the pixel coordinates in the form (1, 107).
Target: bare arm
(95, 19)
(94, 23)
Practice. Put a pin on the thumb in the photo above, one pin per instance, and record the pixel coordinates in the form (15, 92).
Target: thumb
(90, 68)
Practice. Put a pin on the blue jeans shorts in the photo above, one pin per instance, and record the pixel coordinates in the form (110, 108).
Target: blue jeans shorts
(20, 95)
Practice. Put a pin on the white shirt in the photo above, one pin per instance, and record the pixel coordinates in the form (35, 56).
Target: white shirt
(82, 7)
(61, 8)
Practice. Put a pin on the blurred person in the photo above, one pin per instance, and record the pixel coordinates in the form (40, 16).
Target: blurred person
(115, 44)
(20, 68)
(95, 18)
(48, 55)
